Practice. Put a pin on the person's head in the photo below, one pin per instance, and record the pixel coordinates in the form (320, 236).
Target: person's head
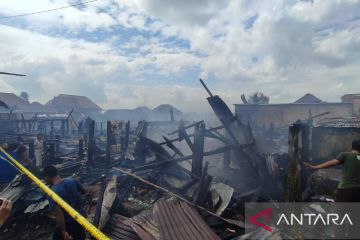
(39, 136)
(49, 173)
(356, 145)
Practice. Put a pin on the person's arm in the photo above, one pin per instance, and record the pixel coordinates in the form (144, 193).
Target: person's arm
(60, 221)
(5, 210)
(81, 188)
(322, 165)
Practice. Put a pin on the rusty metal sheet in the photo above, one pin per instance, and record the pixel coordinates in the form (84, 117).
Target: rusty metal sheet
(117, 229)
(180, 221)
(144, 225)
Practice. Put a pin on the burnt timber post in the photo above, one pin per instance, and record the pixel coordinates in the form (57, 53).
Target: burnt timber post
(57, 145)
(127, 134)
(198, 149)
(67, 127)
(100, 200)
(171, 114)
(31, 150)
(91, 143)
(52, 128)
(203, 189)
(81, 148)
(63, 128)
(293, 192)
(108, 141)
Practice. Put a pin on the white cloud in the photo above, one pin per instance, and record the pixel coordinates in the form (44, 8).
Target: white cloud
(283, 48)
(132, 96)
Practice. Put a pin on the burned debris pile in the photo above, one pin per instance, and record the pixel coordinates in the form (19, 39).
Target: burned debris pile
(161, 180)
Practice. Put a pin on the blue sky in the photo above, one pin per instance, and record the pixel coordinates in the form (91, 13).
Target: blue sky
(124, 54)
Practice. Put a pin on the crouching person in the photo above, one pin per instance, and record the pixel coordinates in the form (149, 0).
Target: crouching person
(70, 190)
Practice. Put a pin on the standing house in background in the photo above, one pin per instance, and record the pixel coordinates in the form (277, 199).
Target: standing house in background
(266, 116)
(271, 121)
(82, 105)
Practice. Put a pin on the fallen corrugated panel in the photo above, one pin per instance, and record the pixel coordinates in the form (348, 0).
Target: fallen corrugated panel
(36, 207)
(144, 225)
(109, 198)
(14, 190)
(181, 222)
(116, 228)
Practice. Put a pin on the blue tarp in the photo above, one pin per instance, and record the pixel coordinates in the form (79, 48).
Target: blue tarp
(7, 171)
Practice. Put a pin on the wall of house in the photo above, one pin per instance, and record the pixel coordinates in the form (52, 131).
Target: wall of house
(283, 115)
(356, 107)
(328, 142)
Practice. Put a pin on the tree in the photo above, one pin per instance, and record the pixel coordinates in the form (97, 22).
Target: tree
(25, 96)
(258, 98)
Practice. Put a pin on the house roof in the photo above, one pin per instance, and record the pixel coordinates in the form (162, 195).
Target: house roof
(71, 101)
(165, 108)
(308, 98)
(11, 100)
(350, 97)
(36, 107)
(139, 113)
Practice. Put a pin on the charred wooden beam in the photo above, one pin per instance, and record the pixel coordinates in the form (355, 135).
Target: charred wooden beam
(191, 135)
(91, 143)
(62, 127)
(206, 88)
(209, 153)
(186, 127)
(99, 201)
(52, 129)
(183, 135)
(294, 193)
(173, 147)
(127, 135)
(108, 141)
(203, 189)
(81, 148)
(198, 149)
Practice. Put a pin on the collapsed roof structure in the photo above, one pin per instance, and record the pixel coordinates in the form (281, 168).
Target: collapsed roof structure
(167, 179)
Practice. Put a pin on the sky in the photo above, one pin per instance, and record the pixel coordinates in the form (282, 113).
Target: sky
(129, 53)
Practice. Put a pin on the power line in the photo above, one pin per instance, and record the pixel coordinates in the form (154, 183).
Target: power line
(14, 74)
(49, 10)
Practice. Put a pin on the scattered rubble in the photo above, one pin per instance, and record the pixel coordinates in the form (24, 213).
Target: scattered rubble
(171, 179)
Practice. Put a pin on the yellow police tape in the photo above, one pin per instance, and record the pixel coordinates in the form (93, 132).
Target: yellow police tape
(96, 233)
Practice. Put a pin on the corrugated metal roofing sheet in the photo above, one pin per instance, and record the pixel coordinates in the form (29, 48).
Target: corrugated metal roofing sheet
(117, 229)
(180, 221)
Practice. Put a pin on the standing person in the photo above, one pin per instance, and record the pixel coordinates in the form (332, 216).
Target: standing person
(349, 185)
(70, 191)
(22, 153)
(38, 147)
(5, 210)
